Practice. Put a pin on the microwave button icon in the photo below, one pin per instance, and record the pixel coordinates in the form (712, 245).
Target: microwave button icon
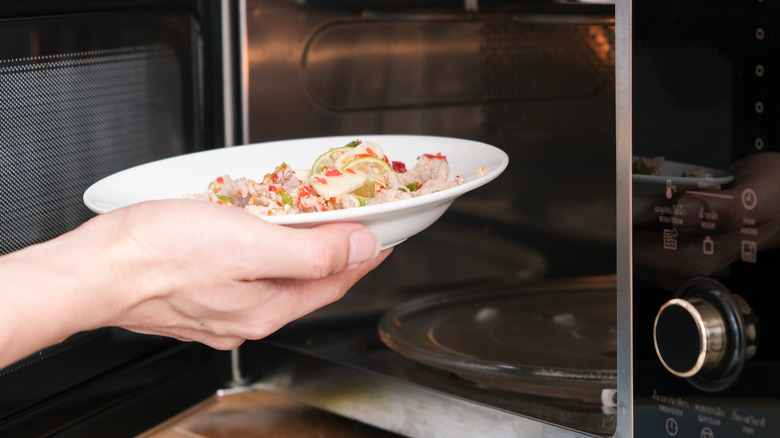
(708, 246)
(749, 251)
(670, 239)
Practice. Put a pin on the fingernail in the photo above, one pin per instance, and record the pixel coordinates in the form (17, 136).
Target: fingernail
(363, 245)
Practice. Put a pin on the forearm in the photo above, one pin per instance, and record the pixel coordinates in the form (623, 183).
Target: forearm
(49, 292)
(187, 269)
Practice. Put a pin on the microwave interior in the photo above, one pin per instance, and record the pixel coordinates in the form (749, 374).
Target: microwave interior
(431, 329)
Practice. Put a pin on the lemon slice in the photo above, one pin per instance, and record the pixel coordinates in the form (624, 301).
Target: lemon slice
(374, 169)
(365, 192)
(372, 166)
(362, 200)
(363, 149)
(329, 158)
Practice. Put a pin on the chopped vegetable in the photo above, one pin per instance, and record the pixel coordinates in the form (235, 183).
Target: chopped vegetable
(287, 198)
(332, 171)
(399, 167)
(357, 174)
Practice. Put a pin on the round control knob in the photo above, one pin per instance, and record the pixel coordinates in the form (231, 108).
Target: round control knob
(705, 334)
(689, 336)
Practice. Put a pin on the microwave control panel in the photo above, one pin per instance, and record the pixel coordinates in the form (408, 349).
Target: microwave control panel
(706, 218)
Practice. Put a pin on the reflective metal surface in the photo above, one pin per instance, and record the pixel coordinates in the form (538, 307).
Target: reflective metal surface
(260, 415)
(624, 220)
(535, 79)
(531, 82)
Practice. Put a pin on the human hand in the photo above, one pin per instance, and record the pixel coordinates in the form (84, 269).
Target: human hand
(186, 269)
(713, 225)
(218, 275)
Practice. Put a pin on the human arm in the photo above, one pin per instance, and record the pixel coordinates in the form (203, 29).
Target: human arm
(186, 269)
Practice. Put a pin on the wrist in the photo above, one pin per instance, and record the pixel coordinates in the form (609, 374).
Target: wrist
(51, 291)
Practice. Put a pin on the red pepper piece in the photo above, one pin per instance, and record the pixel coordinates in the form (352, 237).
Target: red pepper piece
(399, 167)
(332, 171)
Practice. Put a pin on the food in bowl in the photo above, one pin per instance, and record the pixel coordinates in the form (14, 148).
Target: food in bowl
(647, 165)
(354, 175)
(652, 166)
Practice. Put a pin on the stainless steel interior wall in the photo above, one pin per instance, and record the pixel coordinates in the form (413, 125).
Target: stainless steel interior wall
(537, 83)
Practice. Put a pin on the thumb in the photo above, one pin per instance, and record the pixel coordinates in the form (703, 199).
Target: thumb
(321, 251)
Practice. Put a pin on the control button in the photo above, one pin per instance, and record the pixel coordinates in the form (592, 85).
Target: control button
(705, 334)
(749, 251)
(749, 199)
(708, 246)
(672, 429)
(689, 336)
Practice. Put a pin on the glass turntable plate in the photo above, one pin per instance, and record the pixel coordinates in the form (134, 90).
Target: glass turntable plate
(549, 337)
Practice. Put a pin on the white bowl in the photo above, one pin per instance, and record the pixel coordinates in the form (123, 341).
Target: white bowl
(392, 222)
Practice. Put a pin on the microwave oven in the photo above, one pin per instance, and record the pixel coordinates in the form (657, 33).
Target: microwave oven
(619, 301)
